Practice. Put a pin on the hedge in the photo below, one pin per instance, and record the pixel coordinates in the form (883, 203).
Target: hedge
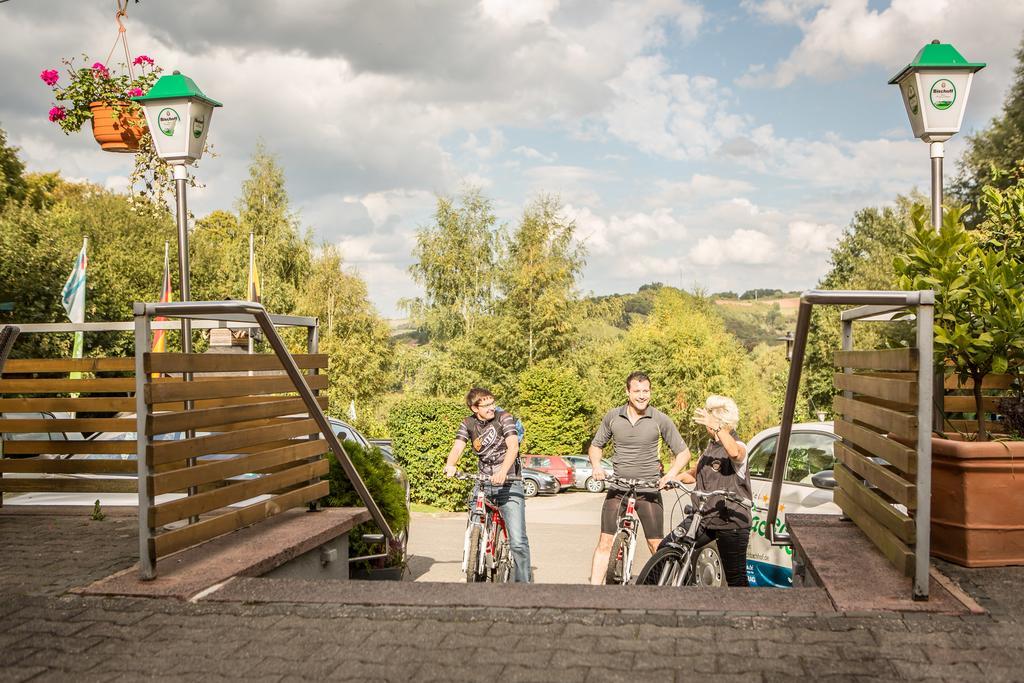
(422, 431)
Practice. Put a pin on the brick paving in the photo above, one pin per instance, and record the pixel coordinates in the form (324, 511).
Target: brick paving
(49, 634)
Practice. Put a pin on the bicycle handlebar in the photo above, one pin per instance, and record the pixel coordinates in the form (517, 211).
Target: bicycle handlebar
(481, 478)
(704, 495)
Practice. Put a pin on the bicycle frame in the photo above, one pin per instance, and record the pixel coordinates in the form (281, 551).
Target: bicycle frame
(628, 523)
(486, 517)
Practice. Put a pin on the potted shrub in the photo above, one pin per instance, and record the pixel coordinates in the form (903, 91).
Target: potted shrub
(977, 506)
(389, 494)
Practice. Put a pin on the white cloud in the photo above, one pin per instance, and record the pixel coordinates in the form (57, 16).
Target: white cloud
(845, 35)
(699, 186)
(781, 11)
(625, 234)
(741, 247)
(814, 238)
(531, 153)
(573, 184)
(517, 13)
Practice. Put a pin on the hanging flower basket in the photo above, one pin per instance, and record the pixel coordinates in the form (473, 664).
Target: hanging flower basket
(117, 131)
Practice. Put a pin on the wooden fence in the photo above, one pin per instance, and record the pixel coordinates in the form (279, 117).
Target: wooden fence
(876, 415)
(47, 413)
(959, 405)
(230, 440)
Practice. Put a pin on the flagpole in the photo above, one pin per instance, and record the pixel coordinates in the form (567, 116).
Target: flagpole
(252, 262)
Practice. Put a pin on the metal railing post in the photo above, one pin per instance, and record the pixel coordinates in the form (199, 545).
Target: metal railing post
(147, 548)
(925, 378)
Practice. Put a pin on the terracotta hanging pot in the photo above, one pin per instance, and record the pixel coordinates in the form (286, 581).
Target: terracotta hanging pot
(116, 133)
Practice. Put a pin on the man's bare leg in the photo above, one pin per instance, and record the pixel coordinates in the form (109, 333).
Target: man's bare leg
(600, 565)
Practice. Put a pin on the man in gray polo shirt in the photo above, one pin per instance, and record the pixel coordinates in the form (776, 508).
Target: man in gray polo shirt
(636, 428)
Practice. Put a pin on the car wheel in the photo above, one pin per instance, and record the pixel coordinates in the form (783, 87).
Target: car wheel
(708, 571)
(594, 485)
(529, 488)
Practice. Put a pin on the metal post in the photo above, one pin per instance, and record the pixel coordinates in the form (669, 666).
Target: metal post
(147, 549)
(937, 152)
(803, 323)
(180, 192)
(923, 515)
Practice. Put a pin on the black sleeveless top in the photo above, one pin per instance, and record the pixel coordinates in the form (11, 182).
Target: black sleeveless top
(716, 470)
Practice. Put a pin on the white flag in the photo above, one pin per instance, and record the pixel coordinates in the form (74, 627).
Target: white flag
(73, 294)
(73, 298)
(352, 410)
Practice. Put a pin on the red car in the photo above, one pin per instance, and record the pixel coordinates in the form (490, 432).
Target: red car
(556, 466)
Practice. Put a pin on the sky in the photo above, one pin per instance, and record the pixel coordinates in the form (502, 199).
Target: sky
(721, 144)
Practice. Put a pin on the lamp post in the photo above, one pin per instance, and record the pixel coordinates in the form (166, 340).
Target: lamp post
(789, 339)
(178, 115)
(935, 87)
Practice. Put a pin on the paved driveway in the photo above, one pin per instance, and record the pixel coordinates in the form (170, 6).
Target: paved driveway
(563, 530)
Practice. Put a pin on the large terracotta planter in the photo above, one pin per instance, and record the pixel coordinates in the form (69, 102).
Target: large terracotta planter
(978, 502)
(116, 133)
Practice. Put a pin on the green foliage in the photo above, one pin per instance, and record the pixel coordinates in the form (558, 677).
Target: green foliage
(97, 515)
(12, 173)
(686, 350)
(351, 332)
(555, 409)
(538, 286)
(994, 155)
(422, 432)
(379, 478)
(979, 307)
(862, 259)
(455, 263)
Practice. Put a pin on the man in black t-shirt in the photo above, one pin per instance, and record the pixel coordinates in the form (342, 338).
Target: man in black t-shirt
(493, 437)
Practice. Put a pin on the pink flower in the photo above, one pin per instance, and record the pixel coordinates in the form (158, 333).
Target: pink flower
(134, 92)
(100, 70)
(49, 76)
(143, 60)
(58, 113)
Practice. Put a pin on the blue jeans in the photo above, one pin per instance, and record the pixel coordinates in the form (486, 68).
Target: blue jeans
(510, 500)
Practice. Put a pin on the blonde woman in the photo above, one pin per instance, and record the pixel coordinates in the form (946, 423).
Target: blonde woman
(722, 465)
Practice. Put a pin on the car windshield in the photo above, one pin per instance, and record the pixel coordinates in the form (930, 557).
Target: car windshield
(540, 462)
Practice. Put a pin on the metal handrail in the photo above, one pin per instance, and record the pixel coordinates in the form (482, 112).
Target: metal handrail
(235, 310)
(871, 303)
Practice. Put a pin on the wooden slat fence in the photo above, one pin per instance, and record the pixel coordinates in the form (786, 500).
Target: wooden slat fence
(960, 408)
(246, 446)
(876, 415)
(77, 435)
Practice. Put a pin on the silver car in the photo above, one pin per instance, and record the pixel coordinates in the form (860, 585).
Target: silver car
(584, 472)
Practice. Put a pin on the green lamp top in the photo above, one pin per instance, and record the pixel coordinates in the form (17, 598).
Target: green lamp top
(936, 55)
(174, 86)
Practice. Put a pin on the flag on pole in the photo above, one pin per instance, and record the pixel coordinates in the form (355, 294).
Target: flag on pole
(73, 298)
(160, 336)
(254, 274)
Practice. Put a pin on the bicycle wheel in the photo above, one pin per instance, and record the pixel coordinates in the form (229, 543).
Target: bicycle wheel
(616, 560)
(504, 563)
(473, 561)
(662, 569)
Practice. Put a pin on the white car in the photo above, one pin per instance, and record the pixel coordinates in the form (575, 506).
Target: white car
(807, 489)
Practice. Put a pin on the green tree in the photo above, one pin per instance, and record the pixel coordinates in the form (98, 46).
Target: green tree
(12, 173)
(351, 331)
(283, 251)
(455, 264)
(995, 154)
(862, 259)
(556, 412)
(540, 303)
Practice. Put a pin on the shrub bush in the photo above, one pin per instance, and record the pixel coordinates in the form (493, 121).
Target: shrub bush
(379, 478)
(422, 431)
(555, 410)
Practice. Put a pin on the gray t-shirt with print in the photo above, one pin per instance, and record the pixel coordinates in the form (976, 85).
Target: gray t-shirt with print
(636, 445)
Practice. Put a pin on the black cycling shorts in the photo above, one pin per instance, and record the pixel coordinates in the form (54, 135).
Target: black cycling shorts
(649, 509)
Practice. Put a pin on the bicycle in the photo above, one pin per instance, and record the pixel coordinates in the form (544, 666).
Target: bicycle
(620, 559)
(486, 555)
(673, 564)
